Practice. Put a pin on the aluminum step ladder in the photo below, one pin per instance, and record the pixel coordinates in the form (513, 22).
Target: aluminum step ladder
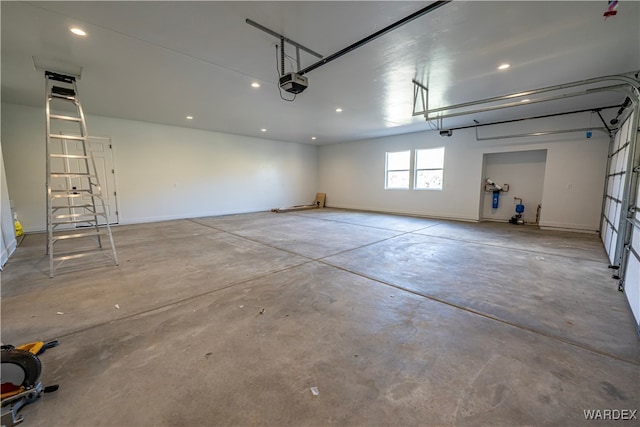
(77, 216)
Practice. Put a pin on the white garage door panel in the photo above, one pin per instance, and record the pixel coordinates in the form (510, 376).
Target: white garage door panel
(617, 178)
(632, 285)
(625, 135)
(617, 190)
(616, 186)
(620, 161)
(616, 215)
(604, 234)
(612, 246)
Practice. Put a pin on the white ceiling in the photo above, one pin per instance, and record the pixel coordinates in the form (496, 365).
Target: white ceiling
(161, 61)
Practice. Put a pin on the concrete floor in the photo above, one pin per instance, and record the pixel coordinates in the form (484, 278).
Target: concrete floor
(396, 320)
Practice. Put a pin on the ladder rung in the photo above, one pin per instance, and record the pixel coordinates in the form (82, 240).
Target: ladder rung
(72, 207)
(65, 78)
(79, 235)
(81, 190)
(71, 175)
(56, 194)
(86, 223)
(62, 91)
(69, 156)
(67, 118)
(77, 216)
(90, 221)
(63, 98)
(74, 194)
(70, 137)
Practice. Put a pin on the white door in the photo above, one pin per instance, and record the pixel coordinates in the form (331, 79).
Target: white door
(102, 151)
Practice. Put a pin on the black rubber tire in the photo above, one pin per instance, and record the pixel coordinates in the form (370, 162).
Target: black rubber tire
(27, 361)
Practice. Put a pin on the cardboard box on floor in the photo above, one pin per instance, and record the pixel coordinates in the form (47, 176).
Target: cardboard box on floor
(320, 198)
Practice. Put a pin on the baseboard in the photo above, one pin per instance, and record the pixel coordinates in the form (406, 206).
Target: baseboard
(405, 213)
(569, 227)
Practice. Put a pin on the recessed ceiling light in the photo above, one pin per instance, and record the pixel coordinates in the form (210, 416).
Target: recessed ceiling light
(313, 137)
(255, 84)
(504, 66)
(263, 130)
(78, 31)
(338, 110)
(189, 117)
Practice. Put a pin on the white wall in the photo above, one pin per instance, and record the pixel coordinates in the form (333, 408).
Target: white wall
(165, 172)
(524, 172)
(7, 228)
(352, 174)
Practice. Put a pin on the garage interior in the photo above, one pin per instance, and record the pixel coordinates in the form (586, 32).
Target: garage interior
(498, 287)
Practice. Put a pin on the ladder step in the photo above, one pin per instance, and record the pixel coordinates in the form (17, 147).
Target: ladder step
(69, 137)
(71, 175)
(62, 91)
(63, 98)
(67, 118)
(59, 77)
(79, 235)
(69, 156)
(78, 224)
(89, 221)
(82, 223)
(56, 194)
(77, 216)
(70, 194)
(72, 207)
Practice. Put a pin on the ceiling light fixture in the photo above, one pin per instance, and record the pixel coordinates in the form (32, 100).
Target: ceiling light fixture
(504, 66)
(78, 31)
(263, 130)
(255, 85)
(313, 137)
(338, 110)
(189, 117)
(525, 100)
